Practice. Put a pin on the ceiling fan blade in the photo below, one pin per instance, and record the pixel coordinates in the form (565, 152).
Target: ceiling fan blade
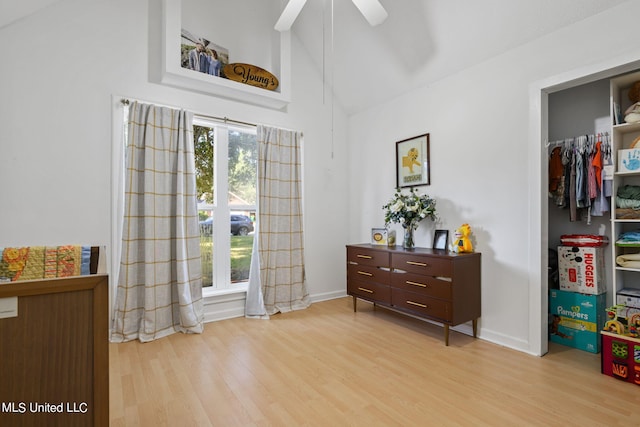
(372, 11)
(289, 14)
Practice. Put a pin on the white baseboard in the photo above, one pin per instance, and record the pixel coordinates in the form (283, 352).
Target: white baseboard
(225, 306)
(326, 296)
(230, 305)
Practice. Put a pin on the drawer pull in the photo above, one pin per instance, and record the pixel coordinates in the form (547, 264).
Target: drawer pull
(364, 273)
(364, 256)
(422, 285)
(365, 290)
(419, 264)
(418, 304)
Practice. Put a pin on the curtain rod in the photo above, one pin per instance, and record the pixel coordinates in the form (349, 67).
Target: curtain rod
(125, 101)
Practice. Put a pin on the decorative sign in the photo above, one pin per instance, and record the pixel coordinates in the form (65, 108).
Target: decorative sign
(251, 75)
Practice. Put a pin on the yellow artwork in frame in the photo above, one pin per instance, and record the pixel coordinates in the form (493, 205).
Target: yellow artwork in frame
(412, 162)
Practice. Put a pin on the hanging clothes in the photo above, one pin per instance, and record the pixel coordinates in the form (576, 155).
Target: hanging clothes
(600, 203)
(556, 170)
(580, 176)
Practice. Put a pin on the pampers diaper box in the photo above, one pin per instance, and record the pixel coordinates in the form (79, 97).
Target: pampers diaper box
(581, 269)
(576, 319)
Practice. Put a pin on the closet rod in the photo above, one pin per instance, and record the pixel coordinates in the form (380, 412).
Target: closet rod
(547, 144)
(125, 101)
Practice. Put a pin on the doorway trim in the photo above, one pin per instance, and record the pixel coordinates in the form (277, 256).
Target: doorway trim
(538, 172)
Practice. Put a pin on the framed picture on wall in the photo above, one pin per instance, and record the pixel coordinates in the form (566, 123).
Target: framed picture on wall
(412, 162)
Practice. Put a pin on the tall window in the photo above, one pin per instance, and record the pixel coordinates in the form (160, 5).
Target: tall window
(226, 162)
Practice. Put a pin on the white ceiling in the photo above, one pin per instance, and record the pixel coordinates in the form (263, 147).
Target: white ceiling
(423, 40)
(420, 42)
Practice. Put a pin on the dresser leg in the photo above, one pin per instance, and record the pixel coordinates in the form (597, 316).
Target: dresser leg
(446, 334)
(475, 328)
(355, 300)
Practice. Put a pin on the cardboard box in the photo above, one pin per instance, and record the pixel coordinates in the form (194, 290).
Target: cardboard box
(621, 357)
(581, 269)
(629, 160)
(576, 319)
(629, 297)
(382, 236)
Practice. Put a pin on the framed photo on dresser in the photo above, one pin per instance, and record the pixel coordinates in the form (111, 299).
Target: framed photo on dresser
(440, 239)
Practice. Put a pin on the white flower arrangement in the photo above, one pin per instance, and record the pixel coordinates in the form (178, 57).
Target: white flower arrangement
(409, 209)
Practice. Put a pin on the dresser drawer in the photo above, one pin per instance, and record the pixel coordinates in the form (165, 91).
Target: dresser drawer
(368, 290)
(367, 273)
(428, 265)
(425, 285)
(365, 256)
(421, 304)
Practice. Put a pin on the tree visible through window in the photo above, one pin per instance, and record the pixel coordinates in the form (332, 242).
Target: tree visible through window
(237, 177)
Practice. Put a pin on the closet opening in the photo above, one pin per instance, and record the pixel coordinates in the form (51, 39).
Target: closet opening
(568, 112)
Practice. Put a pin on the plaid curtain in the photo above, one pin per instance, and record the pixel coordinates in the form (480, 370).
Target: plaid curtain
(277, 280)
(160, 282)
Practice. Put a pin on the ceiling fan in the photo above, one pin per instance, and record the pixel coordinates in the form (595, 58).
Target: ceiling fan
(371, 9)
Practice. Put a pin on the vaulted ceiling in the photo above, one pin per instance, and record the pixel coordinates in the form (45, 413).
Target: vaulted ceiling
(420, 42)
(423, 40)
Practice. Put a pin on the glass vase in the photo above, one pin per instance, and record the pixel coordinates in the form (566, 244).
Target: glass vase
(408, 242)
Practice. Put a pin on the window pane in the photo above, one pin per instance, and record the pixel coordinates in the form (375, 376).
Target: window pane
(205, 168)
(243, 158)
(206, 246)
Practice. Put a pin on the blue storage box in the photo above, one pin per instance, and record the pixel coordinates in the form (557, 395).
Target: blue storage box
(576, 319)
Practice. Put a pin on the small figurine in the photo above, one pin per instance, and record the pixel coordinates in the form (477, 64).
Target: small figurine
(634, 325)
(462, 242)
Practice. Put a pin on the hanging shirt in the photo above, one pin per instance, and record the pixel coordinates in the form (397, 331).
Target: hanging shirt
(599, 205)
(581, 175)
(556, 170)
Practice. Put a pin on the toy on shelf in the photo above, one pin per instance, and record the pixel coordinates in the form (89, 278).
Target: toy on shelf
(462, 239)
(613, 324)
(634, 325)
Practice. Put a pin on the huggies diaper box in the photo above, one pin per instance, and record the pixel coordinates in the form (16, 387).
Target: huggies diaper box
(576, 319)
(581, 269)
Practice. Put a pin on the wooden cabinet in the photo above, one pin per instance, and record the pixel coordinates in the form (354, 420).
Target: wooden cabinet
(54, 352)
(434, 284)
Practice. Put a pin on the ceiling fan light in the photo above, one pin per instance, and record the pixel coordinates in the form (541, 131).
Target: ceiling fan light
(372, 11)
(289, 14)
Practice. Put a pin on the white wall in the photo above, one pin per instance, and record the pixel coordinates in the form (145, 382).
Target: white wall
(61, 68)
(482, 171)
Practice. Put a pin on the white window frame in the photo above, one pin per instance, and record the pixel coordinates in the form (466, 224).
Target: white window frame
(220, 208)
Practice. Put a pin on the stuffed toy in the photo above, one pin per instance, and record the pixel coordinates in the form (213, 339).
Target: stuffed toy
(462, 241)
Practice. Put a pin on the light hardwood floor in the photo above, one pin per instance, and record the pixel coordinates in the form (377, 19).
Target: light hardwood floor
(329, 366)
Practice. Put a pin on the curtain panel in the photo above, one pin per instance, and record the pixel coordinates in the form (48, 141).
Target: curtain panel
(160, 282)
(277, 278)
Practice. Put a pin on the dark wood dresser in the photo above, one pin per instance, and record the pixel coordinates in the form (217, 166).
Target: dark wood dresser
(434, 284)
